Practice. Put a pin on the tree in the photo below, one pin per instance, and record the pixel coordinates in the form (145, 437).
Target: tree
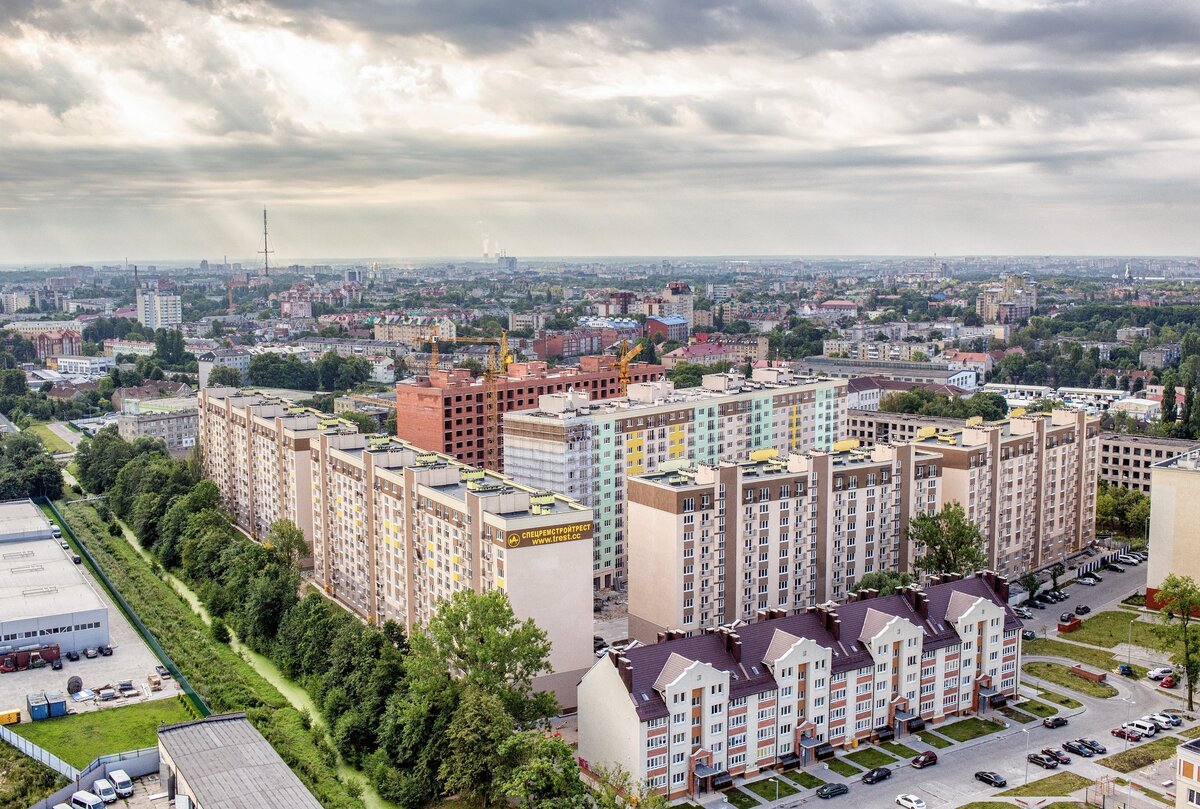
(477, 636)
(224, 376)
(1056, 570)
(616, 789)
(1179, 602)
(885, 581)
(1031, 583)
(286, 542)
(362, 421)
(947, 541)
(479, 727)
(540, 772)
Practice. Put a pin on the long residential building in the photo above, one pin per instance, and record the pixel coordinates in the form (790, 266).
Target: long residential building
(586, 449)
(927, 373)
(396, 529)
(446, 411)
(712, 544)
(688, 715)
(1126, 458)
(1174, 515)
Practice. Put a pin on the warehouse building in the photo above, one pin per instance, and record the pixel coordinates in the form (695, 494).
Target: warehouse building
(44, 597)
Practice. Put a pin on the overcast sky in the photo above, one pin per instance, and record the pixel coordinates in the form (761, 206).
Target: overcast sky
(159, 128)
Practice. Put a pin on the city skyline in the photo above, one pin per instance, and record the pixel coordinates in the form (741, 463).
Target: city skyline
(570, 129)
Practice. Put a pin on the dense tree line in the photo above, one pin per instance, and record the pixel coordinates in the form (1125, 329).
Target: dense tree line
(1122, 511)
(924, 402)
(27, 469)
(332, 372)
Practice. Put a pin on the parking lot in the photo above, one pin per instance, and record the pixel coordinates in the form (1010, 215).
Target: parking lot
(131, 660)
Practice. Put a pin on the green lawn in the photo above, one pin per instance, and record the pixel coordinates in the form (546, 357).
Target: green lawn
(1058, 699)
(804, 779)
(51, 441)
(1037, 708)
(1087, 655)
(933, 740)
(79, 738)
(843, 767)
(1191, 733)
(903, 751)
(967, 729)
(1055, 786)
(987, 805)
(740, 799)
(1111, 627)
(1020, 717)
(765, 788)
(1137, 757)
(1066, 805)
(23, 781)
(1061, 675)
(870, 758)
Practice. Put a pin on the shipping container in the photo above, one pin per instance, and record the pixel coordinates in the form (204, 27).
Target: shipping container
(38, 707)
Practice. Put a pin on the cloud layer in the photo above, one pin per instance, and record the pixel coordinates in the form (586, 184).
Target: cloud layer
(372, 127)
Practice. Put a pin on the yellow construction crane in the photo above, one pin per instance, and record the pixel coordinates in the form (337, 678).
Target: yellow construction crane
(624, 357)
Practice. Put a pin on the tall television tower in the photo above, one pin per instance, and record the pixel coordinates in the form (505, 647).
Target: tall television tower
(266, 253)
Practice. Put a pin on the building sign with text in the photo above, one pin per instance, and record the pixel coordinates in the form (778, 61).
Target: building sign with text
(549, 535)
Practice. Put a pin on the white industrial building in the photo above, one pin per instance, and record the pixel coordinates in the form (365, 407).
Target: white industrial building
(44, 596)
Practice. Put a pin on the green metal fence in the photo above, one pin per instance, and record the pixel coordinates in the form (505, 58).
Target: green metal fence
(197, 702)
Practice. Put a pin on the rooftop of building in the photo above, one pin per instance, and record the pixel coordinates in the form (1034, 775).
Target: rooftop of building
(37, 577)
(747, 651)
(860, 384)
(1010, 427)
(1186, 461)
(227, 764)
(837, 362)
(669, 320)
(1183, 444)
(643, 395)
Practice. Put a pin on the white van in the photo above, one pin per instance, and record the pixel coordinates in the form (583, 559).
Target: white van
(104, 790)
(86, 800)
(121, 782)
(1142, 727)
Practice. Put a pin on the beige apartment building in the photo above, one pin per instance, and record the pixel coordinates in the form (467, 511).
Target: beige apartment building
(712, 544)
(396, 529)
(1126, 459)
(587, 448)
(690, 714)
(1028, 482)
(1174, 516)
(416, 330)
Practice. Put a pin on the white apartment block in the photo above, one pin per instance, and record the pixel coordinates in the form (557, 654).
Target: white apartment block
(586, 449)
(158, 310)
(396, 529)
(688, 715)
(709, 545)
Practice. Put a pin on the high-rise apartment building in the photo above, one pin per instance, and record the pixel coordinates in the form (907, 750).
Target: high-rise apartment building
(158, 310)
(1174, 515)
(679, 301)
(446, 411)
(712, 544)
(395, 529)
(1126, 459)
(1013, 301)
(586, 448)
(690, 714)
(1028, 482)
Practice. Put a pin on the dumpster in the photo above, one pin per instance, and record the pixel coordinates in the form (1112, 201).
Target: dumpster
(38, 707)
(57, 703)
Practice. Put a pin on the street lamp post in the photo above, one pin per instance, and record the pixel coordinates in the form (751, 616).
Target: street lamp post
(1128, 719)
(1026, 732)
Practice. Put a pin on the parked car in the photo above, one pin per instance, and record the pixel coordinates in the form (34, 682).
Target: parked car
(103, 790)
(1125, 670)
(121, 782)
(73, 656)
(64, 545)
(1126, 559)
(162, 672)
(56, 532)
(1163, 722)
(1045, 762)
(1082, 609)
(1087, 581)
(910, 802)
(91, 652)
(56, 664)
(876, 775)
(1159, 673)
(1057, 755)
(1053, 722)
(1023, 612)
(831, 790)
(1093, 575)
(925, 759)
(1127, 733)
(1066, 618)
(1028, 634)
(1167, 682)
(1095, 746)
(1143, 727)
(992, 779)
(1114, 567)
(75, 558)
(1037, 605)
(1078, 748)
(106, 650)
(1173, 718)
(1058, 595)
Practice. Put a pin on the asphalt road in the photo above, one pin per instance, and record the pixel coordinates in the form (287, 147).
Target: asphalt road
(1105, 595)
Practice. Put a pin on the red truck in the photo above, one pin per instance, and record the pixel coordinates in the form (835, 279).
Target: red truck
(28, 657)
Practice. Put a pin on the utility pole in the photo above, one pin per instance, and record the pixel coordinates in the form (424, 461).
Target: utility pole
(266, 252)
